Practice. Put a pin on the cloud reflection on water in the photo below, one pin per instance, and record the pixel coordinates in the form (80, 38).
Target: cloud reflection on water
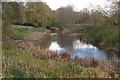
(79, 48)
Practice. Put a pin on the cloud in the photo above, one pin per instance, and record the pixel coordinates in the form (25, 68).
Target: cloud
(78, 4)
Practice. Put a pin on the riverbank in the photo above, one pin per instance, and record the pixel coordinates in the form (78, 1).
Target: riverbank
(21, 31)
(19, 64)
(103, 36)
(107, 65)
(31, 61)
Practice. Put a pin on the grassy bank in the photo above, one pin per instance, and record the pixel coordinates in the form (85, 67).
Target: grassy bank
(19, 64)
(104, 35)
(76, 27)
(21, 31)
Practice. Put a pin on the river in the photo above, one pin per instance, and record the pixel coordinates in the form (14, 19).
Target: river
(72, 44)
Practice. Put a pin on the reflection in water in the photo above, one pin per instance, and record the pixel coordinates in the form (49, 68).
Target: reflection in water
(52, 34)
(79, 49)
(83, 50)
(65, 41)
(60, 43)
(55, 47)
(78, 44)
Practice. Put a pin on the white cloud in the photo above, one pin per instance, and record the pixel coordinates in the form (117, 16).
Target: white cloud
(78, 4)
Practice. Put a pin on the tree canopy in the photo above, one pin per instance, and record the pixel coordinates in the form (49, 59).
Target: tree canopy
(39, 14)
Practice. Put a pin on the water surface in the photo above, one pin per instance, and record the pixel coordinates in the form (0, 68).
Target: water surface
(73, 45)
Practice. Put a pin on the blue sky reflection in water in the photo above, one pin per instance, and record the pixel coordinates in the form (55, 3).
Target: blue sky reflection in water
(79, 48)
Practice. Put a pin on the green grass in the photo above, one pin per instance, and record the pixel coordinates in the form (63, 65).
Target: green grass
(20, 31)
(76, 27)
(96, 34)
(19, 64)
(104, 33)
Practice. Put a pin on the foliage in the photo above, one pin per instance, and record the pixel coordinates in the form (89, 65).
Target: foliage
(104, 33)
(97, 18)
(20, 64)
(33, 13)
(66, 15)
(7, 35)
(39, 14)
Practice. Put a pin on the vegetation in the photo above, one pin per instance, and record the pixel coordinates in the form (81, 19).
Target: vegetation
(35, 14)
(21, 64)
(105, 33)
(21, 18)
(21, 31)
(18, 64)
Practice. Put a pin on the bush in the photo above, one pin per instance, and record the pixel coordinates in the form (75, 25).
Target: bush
(104, 33)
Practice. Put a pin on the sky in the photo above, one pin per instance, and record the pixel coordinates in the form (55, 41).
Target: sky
(77, 4)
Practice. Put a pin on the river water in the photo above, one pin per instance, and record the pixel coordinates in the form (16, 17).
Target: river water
(73, 45)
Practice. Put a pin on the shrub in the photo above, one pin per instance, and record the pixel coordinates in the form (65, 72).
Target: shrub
(104, 33)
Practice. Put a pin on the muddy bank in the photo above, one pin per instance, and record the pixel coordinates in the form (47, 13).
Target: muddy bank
(69, 33)
(35, 36)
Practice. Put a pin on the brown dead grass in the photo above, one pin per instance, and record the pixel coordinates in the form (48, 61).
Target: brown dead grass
(112, 66)
(105, 65)
(36, 50)
(34, 36)
(65, 56)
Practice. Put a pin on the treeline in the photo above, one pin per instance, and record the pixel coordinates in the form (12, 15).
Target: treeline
(39, 14)
(34, 14)
(97, 15)
(31, 13)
